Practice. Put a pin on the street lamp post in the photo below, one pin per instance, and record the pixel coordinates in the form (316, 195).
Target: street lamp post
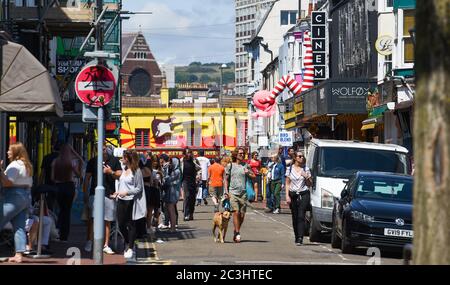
(221, 109)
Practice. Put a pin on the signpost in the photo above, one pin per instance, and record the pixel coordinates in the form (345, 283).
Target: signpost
(95, 85)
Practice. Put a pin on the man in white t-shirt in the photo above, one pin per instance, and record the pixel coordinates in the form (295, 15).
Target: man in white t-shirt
(204, 164)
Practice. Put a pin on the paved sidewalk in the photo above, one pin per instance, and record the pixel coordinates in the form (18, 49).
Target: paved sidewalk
(64, 253)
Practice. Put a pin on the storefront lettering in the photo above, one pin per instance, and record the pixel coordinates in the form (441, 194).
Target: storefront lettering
(349, 91)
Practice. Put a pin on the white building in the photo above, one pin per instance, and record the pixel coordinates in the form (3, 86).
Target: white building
(248, 15)
(169, 71)
(262, 66)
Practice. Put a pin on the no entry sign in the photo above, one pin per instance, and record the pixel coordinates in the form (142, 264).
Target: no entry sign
(95, 85)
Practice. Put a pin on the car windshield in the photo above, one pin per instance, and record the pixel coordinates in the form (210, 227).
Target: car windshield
(385, 188)
(343, 162)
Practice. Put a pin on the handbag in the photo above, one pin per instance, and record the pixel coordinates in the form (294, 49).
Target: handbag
(250, 190)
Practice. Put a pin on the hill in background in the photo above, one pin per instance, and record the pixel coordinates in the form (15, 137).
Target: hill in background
(204, 73)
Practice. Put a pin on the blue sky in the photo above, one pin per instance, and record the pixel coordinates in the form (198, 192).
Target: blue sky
(182, 31)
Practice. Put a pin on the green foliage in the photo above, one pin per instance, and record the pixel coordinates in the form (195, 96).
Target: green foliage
(204, 73)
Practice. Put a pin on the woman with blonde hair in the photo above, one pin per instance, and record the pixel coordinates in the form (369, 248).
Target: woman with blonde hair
(64, 169)
(16, 181)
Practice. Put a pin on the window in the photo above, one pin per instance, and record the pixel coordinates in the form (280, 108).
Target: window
(343, 161)
(409, 23)
(288, 17)
(389, 3)
(293, 17)
(142, 137)
(387, 64)
(284, 18)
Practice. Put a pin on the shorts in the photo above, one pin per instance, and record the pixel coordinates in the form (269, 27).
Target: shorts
(110, 208)
(238, 202)
(216, 192)
(171, 195)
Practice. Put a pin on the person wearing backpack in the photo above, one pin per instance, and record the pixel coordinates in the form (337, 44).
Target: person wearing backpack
(236, 175)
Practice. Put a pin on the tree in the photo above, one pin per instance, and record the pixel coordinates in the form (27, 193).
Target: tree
(432, 134)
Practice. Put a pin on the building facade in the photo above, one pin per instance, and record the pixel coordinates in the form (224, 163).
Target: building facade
(141, 74)
(248, 14)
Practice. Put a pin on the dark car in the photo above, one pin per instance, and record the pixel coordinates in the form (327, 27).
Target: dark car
(375, 210)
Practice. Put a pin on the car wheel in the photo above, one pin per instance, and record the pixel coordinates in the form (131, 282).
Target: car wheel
(346, 245)
(335, 240)
(314, 233)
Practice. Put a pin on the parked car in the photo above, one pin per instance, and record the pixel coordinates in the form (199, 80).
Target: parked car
(375, 210)
(332, 162)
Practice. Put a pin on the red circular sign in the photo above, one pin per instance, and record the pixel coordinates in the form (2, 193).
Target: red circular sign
(95, 85)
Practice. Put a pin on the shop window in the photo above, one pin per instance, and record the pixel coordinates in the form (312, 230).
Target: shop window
(142, 137)
(409, 23)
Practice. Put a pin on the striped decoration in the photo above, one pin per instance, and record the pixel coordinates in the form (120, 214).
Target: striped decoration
(264, 101)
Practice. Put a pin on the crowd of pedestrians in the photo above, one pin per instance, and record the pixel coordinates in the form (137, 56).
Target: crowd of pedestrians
(142, 191)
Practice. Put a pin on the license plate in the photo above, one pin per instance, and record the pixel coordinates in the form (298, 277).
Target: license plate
(399, 233)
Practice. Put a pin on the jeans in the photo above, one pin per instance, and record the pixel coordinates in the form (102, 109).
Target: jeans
(16, 202)
(275, 188)
(270, 196)
(64, 196)
(205, 192)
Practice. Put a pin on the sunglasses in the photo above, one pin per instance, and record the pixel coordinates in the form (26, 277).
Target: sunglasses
(241, 153)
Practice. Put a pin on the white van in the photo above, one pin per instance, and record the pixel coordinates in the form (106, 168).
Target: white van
(332, 162)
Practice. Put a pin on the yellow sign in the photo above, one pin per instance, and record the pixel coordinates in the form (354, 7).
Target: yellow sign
(298, 107)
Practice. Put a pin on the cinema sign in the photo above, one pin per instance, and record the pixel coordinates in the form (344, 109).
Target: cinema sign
(319, 40)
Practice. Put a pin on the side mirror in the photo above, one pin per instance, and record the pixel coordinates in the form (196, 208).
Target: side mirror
(344, 193)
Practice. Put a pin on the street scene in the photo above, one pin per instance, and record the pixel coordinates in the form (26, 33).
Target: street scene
(232, 132)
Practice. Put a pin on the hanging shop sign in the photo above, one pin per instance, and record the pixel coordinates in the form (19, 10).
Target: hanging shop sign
(384, 45)
(319, 44)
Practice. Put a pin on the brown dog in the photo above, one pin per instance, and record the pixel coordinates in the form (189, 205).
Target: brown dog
(220, 221)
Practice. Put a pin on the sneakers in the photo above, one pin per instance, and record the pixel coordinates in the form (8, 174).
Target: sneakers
(277, 211)
(88, 246)
(206, 202)
(108, 250)
(128, 254)
(162, 227)
(237, 237)
(299, 242)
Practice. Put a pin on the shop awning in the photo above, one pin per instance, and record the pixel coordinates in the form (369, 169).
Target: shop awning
(26, 85)
(368, 127)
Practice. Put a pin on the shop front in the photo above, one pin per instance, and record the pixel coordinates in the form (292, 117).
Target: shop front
(336, 108)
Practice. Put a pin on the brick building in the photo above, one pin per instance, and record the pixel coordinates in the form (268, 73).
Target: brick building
(141, 74)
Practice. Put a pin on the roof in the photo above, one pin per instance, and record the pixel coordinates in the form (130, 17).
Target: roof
(127, 43)
(264, 18)
(384, 174)
(358, 144)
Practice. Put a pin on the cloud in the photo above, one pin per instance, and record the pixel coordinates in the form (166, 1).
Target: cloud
(182, 31)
